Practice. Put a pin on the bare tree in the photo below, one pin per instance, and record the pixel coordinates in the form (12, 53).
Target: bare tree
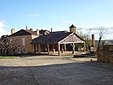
(84, 36)
(102, 32)
(5, 44)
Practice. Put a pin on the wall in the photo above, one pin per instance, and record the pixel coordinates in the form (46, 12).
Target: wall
(105, 54)
(22, 44)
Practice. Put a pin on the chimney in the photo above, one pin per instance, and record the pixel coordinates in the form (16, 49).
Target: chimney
(31, 29)
(93, 40)
(12, 31)
(37, 31)
(72, 28)
(51, 30)
(26, 27)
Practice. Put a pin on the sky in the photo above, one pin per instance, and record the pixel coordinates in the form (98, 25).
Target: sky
(56, 14)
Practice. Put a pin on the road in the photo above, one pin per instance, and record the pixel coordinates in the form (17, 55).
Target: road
(54, 70)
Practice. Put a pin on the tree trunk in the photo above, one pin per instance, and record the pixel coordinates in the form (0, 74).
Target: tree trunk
(5, 52)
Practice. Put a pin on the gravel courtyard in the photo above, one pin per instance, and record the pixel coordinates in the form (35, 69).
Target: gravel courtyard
(54, 70)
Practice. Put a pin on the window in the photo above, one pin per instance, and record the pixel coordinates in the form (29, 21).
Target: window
(23, 41)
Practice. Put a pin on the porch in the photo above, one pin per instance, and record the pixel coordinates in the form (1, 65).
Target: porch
(59, 42)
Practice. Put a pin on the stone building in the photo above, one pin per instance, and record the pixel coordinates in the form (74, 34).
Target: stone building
(27, 41)
(21, 40)
(57, 41)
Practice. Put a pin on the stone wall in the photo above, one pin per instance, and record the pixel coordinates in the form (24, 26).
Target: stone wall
(22, 44)
(105, 54)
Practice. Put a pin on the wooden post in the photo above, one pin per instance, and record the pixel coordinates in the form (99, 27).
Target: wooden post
(73, 48)
(58, 49)
(64, 47)
(39, 49)
(33, 48)
(53, 48)
(48, 49)
(36, 48)
(84, 47)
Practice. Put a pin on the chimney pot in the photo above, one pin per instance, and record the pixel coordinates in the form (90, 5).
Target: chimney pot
(12, 31)
(51, 30)
(37, 31)
(31, 29)
(93, 40)
(26, 27)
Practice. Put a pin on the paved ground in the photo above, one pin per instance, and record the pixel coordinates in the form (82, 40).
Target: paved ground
(54, 70)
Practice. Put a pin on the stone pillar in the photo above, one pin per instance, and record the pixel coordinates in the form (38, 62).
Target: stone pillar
(93, 48)
(93, 40)
(59, 49)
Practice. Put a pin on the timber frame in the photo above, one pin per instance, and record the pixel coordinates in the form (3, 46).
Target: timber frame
(72, 38)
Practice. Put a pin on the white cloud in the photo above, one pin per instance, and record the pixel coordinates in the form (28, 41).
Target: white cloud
(110, 24)
(2, 30)
(33, 15)
(95, 30)
(88, 26)
(107, 25)
(64, 20)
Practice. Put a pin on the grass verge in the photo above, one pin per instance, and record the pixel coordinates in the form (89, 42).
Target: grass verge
(8, 57)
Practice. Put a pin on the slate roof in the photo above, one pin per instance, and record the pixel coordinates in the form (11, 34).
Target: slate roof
(42, 32)
(24, 32)
(52, 38)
